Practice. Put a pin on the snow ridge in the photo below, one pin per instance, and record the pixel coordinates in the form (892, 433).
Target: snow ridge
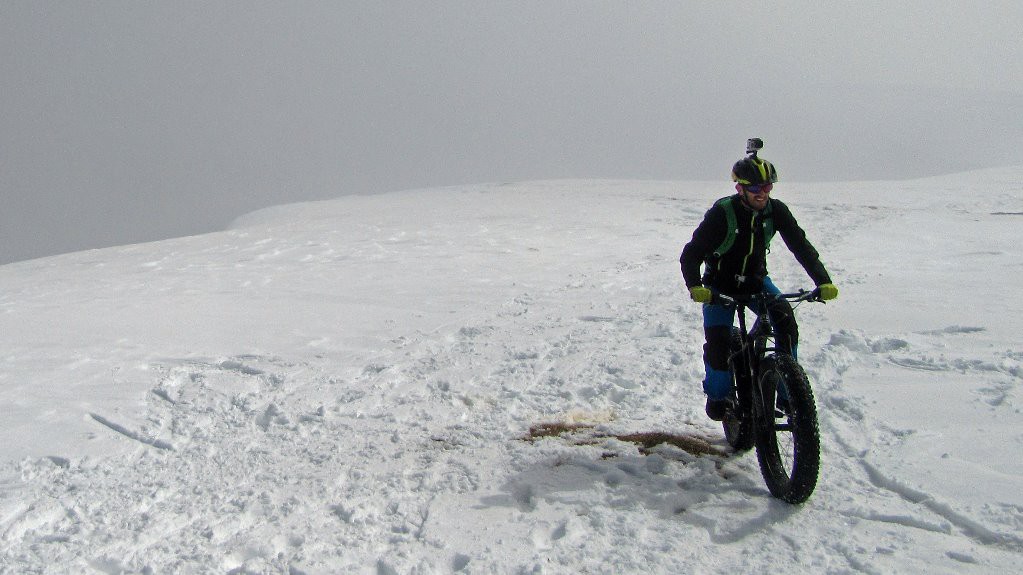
(368, 406)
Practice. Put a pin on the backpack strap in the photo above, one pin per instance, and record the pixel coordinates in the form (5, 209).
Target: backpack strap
(731, 226)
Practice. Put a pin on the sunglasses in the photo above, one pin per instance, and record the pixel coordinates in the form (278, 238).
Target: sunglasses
(758, 188)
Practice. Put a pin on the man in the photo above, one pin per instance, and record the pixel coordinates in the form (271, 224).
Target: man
(732, 243)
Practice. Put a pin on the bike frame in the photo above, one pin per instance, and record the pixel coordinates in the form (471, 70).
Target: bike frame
(755, 346)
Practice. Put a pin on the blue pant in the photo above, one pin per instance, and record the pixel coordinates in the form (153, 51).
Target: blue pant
(717, 328)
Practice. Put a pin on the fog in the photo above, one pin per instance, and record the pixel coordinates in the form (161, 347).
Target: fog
(123, 122)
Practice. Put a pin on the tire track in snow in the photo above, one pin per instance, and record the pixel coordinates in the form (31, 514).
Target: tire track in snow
(967, 525)
(832, 362)
(134, 435)
(238, 476)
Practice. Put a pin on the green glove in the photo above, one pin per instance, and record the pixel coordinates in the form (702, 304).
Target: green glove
(700, 294)
(828, 291)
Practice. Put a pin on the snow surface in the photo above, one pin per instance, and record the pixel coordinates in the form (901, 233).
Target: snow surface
(349, 386)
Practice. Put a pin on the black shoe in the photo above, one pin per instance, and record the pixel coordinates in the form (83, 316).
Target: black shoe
(717, 408)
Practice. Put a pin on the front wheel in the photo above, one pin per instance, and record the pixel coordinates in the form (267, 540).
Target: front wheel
(788, 447)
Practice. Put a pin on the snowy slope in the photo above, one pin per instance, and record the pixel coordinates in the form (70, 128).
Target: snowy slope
(348, 386)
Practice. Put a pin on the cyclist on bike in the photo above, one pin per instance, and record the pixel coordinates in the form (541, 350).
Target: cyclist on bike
(732, 243)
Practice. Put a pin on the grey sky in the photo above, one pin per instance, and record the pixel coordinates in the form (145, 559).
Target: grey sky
(131, 121)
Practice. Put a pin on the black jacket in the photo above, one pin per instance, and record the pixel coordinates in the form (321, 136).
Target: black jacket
(742, 268)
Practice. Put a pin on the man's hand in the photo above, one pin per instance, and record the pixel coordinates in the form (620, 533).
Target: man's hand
(700, 294)
(828, 291)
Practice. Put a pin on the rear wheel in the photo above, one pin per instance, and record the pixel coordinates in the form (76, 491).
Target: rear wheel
(738, 422)
(788, 447)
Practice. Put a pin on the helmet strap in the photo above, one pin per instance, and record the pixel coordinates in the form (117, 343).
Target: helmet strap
(742, 197)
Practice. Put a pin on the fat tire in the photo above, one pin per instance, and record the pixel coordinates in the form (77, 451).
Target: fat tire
(795, 484)
(738, 422)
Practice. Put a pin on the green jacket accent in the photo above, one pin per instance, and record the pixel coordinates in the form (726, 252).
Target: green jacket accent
(732, 241)
(728, 204)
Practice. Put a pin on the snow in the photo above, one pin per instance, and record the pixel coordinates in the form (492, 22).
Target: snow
(349, 386)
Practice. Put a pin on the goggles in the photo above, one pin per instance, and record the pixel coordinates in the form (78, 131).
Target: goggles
(758, 188)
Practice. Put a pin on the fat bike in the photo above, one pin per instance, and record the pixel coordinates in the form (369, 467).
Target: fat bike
(772, 405)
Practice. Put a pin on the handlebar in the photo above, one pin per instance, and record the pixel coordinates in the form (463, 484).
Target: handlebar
(799, 296)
